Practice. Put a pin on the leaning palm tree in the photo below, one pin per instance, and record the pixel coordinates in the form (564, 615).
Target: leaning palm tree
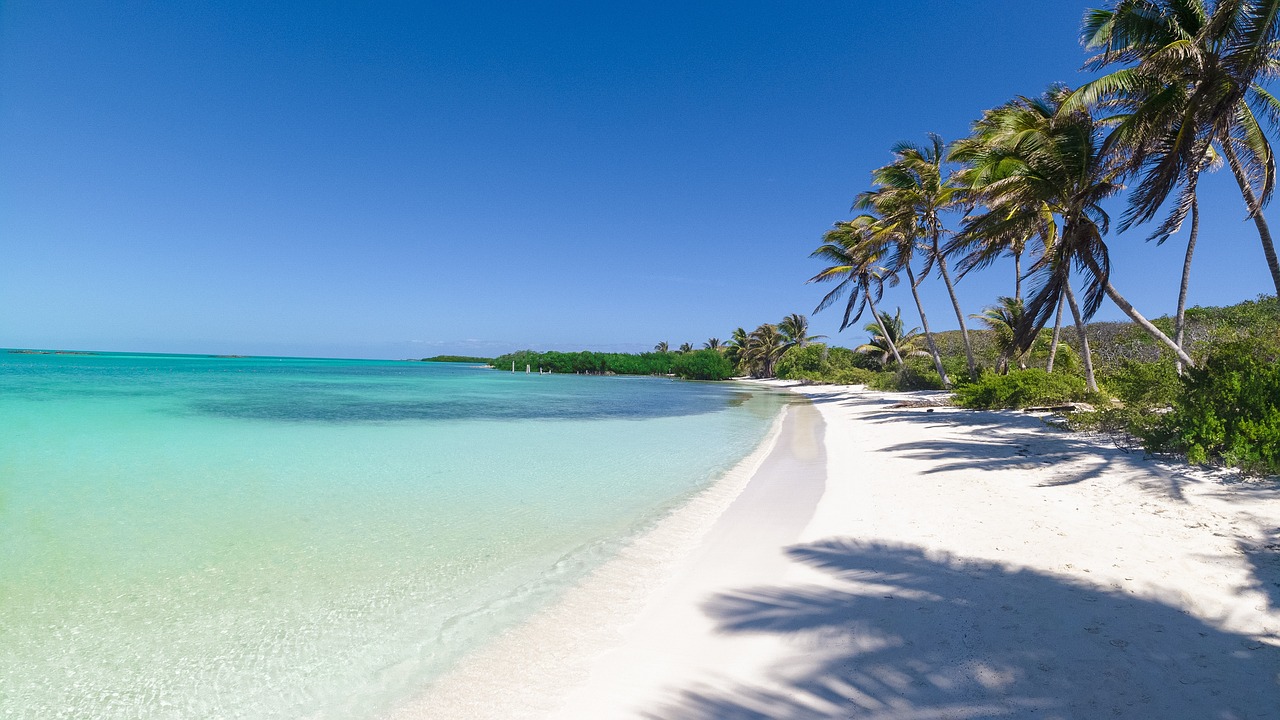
(887, 338)
(713, 344)
(1190, 81)
(911, 195)
(1039, 170)
(1187, 65)
(794, 329)
(900, 249)
(662, 347)
(854, 254)
(764, 346)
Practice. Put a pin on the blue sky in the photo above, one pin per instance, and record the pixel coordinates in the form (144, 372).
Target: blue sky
(406, 179)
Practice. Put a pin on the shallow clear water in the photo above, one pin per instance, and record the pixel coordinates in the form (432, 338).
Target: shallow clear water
(193, 537)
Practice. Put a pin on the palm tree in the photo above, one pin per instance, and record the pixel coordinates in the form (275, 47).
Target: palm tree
(900, 249)
(1190, 81)
(888, 338)
(794, 329)
(911, 194)
(736, 348)
(662, 347)
(713, 344)
(1003, 319)
(764, 347)
(686, 348)
(854, 254)
(1039, 171)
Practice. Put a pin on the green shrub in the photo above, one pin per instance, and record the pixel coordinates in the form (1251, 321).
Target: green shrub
(851, 376)
(917, 373)
(809, 360)
(1019, 389)
(885, 380)
(1143, 385)
(820, 364)
(1229, 410)
(702, 365)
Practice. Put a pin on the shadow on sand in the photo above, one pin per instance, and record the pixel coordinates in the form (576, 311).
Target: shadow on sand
(901, 633)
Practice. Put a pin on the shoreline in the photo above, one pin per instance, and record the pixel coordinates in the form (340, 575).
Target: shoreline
(527, 669)
(952, 563)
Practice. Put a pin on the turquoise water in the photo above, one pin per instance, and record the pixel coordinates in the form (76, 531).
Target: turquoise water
(196, 537)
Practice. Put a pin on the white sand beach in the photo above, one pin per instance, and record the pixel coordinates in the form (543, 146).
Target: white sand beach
(871, 562)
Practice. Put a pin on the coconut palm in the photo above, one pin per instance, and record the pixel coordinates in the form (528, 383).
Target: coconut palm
(713, 344)
(794, 329)
(662, 347)
(911, 194)
(854, 254)
(686, 347)
(736, 348)
(1190, 81)
(1039, 171)
(900, 248)
(1003, 319)
(765, 346)
(887, 338)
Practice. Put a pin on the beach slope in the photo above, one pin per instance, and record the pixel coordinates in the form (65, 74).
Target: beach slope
(939, 563)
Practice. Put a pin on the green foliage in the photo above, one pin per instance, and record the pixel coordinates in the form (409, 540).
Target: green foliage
(809, 360)
(1143, 385)
(1229, 410)
(1019, 389)
(917, 373)
(651, 363)
(820, 364)
(458, 359)
(702, 365)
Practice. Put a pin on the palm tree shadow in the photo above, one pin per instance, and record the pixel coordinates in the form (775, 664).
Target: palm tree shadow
(1264, 565)
(901, 633)
(991, 440)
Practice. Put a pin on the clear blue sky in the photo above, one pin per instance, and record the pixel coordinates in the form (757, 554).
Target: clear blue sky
(404, 179)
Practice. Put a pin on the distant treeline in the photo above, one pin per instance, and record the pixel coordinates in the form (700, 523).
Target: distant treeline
(693, 365)
(458, 359)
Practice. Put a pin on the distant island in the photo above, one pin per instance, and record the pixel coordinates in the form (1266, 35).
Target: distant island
(458, 359)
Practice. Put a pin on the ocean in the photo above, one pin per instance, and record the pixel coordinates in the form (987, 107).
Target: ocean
(197, 537)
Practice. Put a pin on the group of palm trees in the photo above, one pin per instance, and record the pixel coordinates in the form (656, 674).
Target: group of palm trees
(1185, 93)
(756, 353)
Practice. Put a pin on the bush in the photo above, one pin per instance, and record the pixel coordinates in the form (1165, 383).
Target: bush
(1229, 410)
(1019, 389)
(1143, 385)
(916, 374)
(702, 365)
(808, 361)
(820, 364)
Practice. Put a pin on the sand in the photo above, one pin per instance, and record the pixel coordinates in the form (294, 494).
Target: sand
(871, 562)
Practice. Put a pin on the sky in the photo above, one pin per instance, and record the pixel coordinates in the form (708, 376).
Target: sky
(394, 180)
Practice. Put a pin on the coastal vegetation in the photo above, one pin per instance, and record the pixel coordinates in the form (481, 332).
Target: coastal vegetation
(1182, 91)
(458, 359)
(1034, 184)
(690, 364)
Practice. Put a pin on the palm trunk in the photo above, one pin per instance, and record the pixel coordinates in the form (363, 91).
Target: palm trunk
(928, 336)
(1180, 323)
(1091, 383)
(1057, 336)
(884, 332)
(964, 331)
(1264, 232)
(1017, 276)
(1136, 316)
